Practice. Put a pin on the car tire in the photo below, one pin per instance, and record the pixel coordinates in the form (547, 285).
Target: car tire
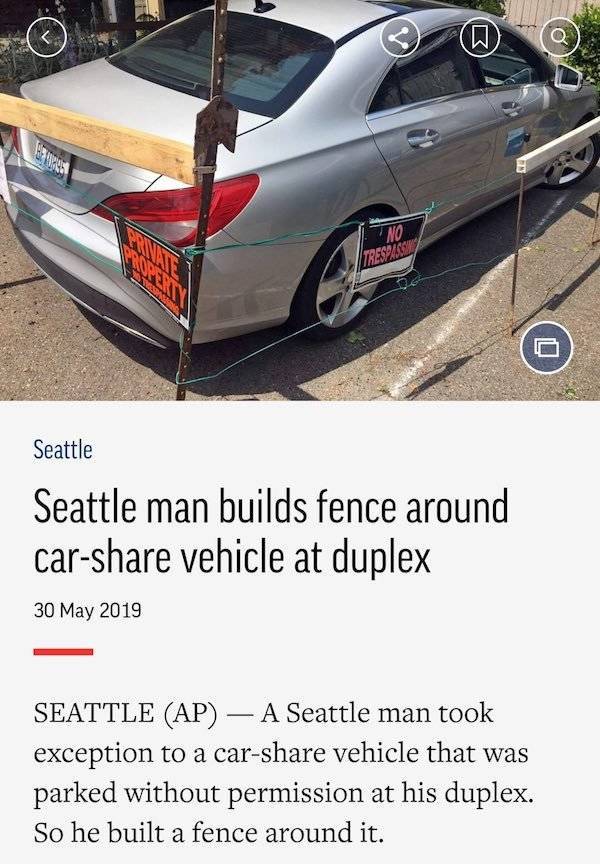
(561, 174)
(325, 305)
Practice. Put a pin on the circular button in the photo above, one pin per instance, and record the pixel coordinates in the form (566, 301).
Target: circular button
(547, 348)
(558, 35)
(400, 37)
(480, 37)
(46, 37)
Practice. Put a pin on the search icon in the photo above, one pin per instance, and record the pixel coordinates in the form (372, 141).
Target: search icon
(560, 37)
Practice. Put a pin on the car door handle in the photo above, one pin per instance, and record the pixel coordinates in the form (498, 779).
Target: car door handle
(512, 109)
(420, 138)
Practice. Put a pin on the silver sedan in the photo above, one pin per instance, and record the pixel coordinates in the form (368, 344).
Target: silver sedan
(334, 128)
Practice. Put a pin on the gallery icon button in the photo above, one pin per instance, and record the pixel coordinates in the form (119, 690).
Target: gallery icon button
(480, 37)
(560, 37)
(400, 37)
(46, 37)
(547, 348)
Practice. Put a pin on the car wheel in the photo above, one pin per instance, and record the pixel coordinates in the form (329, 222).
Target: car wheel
(570, 168)
(326, 304)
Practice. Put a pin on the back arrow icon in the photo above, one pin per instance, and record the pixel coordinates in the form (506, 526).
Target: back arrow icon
(49, 37)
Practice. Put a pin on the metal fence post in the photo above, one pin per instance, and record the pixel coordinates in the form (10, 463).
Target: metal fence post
(216, 124)
(596, 239)
(516, 257)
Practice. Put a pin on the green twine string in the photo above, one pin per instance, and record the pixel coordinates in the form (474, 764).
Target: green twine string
(402, 284)
(269, 241)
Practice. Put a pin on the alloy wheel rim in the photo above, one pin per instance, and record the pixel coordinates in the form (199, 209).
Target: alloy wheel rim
(338, 301)
(569, 166)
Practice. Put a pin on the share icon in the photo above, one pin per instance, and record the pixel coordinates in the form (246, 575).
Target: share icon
(400, 37)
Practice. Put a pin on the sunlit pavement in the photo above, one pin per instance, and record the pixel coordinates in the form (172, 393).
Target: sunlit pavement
(443, 339)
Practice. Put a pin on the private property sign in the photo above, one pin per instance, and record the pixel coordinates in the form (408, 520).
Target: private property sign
(388, 247)
(161, 271)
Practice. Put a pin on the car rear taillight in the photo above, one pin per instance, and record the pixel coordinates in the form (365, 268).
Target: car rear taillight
(14, 134)
(173, 214)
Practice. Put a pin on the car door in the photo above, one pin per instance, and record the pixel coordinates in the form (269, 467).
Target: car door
(436, 129)
(517, 84)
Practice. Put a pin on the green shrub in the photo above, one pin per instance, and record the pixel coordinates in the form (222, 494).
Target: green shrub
(494, 7)
(587, 56)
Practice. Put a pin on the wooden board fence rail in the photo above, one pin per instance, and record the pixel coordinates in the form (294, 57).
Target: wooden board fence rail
(107, 139)
(547, 152)
(540, 158)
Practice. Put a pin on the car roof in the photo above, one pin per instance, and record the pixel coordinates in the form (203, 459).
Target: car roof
(337, 19)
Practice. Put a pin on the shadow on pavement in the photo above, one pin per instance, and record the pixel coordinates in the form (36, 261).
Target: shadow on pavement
(18, 282)
(430, 379)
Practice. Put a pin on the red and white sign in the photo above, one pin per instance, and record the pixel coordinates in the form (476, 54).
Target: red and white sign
(388, 247)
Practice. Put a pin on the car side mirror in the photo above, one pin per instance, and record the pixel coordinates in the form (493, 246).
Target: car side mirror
(567, 78)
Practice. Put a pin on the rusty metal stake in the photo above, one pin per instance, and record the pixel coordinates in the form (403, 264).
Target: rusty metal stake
(516, 257)
(596, 239)
(216, 124)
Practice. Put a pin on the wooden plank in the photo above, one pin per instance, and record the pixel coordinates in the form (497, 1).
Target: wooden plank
(544, 154)
(108, 139)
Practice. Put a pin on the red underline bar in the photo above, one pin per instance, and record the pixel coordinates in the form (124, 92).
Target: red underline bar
(63, 652)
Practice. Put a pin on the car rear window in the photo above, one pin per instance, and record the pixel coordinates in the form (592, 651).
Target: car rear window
(269, 63)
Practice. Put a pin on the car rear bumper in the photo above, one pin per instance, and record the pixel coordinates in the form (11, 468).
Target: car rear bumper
(80, 253)
(91, 299)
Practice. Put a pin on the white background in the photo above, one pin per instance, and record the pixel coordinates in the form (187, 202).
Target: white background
(509, 615)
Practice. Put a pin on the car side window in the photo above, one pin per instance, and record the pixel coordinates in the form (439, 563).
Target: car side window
(439, 68)
(513, 62)
(388, 95)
